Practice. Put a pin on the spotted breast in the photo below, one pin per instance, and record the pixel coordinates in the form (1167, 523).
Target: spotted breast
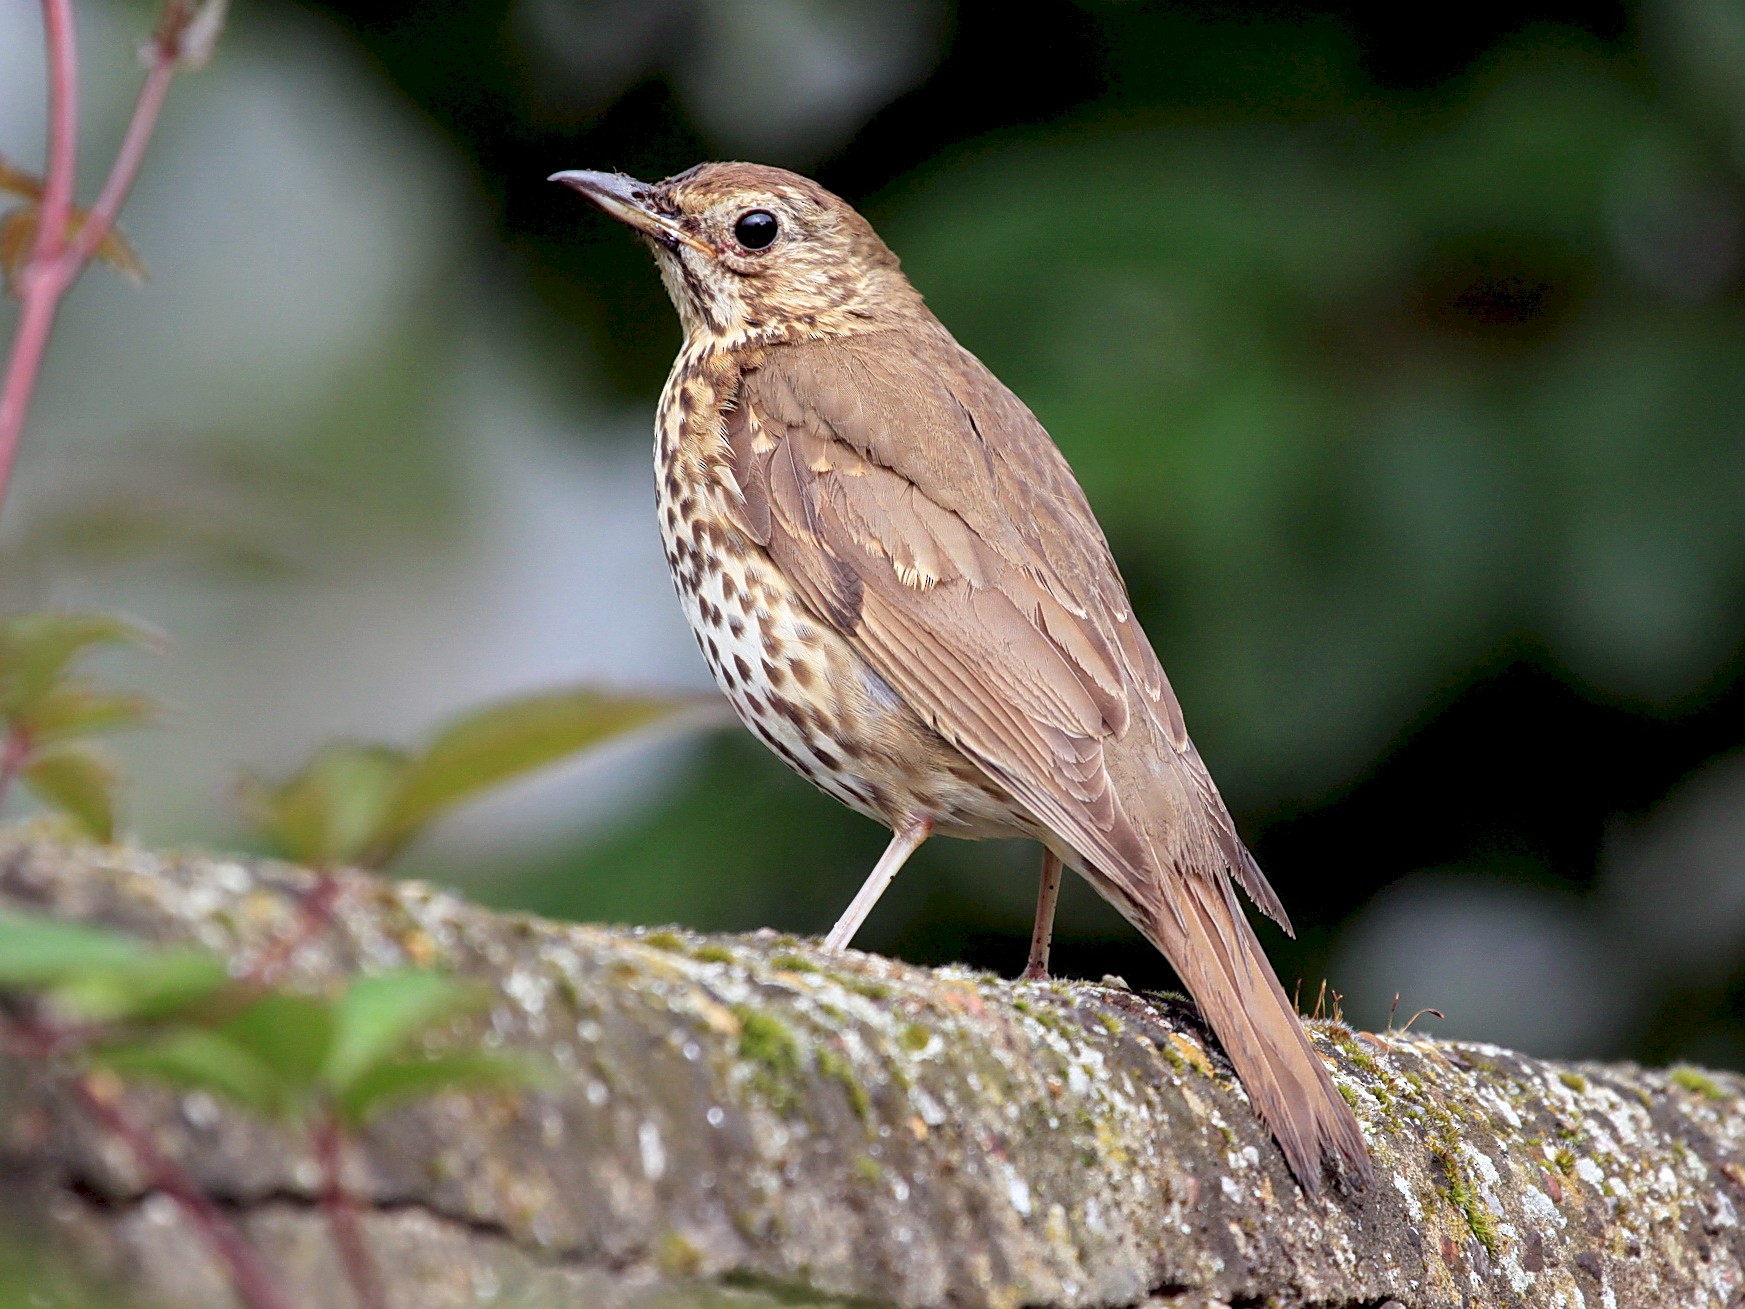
(794, 682)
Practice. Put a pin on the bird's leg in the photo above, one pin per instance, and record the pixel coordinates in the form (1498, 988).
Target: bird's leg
(1042, 935)
(904, 842)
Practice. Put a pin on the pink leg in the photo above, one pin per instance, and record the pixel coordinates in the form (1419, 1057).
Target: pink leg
(1042, 935)
(904, 842)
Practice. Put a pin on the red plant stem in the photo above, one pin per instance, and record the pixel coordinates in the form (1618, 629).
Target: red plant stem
(40, 283)
(100, 221)
(55, 264)
(342, 1215)
(14, 754)
(42, 1041)
(315, 912)
(63, 130)
(253, 1281)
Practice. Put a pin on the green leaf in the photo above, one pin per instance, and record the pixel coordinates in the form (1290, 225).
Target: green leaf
(75, 708)
(330, 811)
(377, 1016)
(504, 741)
(290, 1034)
(159, 984)
(102, 975)
(203, 1060)
(80, 783)
(17, 181)
(37, 648)
(44, 952)
(398, 1080)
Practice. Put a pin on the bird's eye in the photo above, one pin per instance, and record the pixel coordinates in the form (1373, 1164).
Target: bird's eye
(755, 229)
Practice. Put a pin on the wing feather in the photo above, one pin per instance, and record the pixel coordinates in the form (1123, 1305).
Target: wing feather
(989, 599)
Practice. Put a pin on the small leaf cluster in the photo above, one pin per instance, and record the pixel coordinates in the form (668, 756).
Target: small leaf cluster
(361, 804)
(174, 1015)
(48, 708)
(18, 229)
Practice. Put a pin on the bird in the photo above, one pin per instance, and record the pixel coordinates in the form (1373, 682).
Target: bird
(901, 587)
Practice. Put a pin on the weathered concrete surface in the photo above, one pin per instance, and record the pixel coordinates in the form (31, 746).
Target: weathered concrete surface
(745, 1113)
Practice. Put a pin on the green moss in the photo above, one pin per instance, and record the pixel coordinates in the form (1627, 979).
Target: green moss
(871, 990)
(1110, 1024)
(1697, 1082)
(664, 940)
(1564, 1159)
(677, 1257)
(767, 1043)
(837, 1068)
(914, 1037)
(869, 1170)
(1359, 1057)
(1349, 1095)
(712, 954)
(1574, 1081)
(1047, 1018)
(1462, 1196)
(793, 963)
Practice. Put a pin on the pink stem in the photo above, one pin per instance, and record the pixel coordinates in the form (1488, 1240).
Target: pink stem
(248, 1274)
(315, 914)
(41, 283)
(342, 1217)
(40, 1042)
(56, 264)
(14, 754)
(101, 219)
(63, 130)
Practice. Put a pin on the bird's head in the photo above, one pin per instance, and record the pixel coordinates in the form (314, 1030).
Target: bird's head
(750, 253)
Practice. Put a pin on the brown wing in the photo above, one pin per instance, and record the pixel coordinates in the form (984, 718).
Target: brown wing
(922, 510)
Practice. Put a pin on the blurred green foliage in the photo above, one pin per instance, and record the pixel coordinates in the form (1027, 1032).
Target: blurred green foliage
(362, 804)
(175, 1015)
(48, 706)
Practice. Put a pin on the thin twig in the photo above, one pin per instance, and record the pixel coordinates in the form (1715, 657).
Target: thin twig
(55, 263)
(315, 914)
(14, 754)
(254, 1282)
(100, 221)
(248, 1274)
(342, 1216)
(63, 131)
(39, 283)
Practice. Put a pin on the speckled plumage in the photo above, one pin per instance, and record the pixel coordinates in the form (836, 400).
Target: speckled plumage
(900, 586)
(796, 683)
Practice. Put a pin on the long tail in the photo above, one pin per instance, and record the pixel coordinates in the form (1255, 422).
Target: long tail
(1207, 939)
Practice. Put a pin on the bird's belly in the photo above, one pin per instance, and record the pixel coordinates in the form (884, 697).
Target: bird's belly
(807, 694)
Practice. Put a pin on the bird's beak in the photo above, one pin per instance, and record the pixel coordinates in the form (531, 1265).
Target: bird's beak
(626, 199)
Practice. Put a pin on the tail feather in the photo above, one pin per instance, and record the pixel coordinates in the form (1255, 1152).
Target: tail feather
(1207, 939)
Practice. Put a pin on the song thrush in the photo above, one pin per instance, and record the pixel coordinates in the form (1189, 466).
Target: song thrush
(900, 586)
